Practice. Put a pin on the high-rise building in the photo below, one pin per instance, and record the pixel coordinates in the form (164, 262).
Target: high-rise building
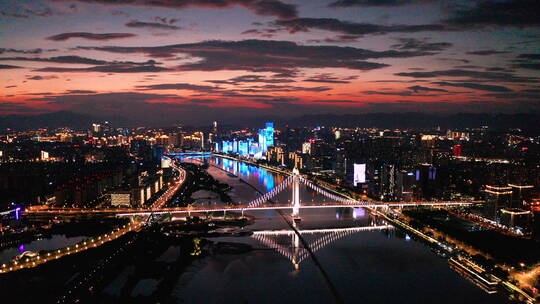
(306, 148)
(96, 128)
(517, 219)
(388, 182)
(497, 197)
(520, 194)
(44, 155)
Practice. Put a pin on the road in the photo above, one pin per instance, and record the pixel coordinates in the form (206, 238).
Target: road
(34, 259)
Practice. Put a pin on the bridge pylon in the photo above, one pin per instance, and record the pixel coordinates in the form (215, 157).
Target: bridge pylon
(295, 201)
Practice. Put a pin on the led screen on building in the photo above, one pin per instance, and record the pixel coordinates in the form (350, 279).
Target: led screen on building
(359, 176)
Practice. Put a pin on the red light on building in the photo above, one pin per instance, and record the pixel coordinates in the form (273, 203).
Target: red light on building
(457, 150)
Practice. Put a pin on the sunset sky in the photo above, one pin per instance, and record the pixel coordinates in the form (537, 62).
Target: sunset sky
(199, 60)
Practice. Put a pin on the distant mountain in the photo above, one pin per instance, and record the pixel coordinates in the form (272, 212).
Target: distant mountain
(380, 120)
(421, 120)
(57, 119)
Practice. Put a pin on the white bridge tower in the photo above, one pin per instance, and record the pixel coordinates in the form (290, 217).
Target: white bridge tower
(296, 194)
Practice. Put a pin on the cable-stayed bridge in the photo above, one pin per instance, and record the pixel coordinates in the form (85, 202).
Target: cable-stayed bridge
(262, 202)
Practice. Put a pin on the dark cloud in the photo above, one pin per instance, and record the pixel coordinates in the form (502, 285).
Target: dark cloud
(421, 45)
(30, 51)
(27, 13)
(499, 69)
(530, 65)
(473, 75)
(90, 36)
(152, 25)
(336, 101)
(180, 86)
(349, 3)
(350, 28)
(486, 52)
(468, 66)
(59, 59)
(80, 92)
(102, 98)
(10, 86)
(283, 88)
(398, 93)
(458, 60)
(13, 15)
(278, 100)
(329, 78)
(528, 61)
(337, 39)
(39, 77)
(166, 20)
(265, 33)
(77, 60)
(202, 101)
(497, 12)
(529, 56)
(8, 67)
(274, 8)
(425, 89)
(251, 79)
(265, 55)
(475, 86)
(109, 68)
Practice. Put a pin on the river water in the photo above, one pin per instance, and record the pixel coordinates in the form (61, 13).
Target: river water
(374, 264)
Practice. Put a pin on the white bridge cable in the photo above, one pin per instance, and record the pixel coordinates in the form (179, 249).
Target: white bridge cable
(328, 194)
(268, 195)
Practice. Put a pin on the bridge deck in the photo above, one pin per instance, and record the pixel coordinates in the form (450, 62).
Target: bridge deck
(238, 208)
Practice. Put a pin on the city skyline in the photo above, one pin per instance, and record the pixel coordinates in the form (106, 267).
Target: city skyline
(201, 60)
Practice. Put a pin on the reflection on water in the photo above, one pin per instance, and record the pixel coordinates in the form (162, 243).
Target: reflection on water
(263, 177)
(56, 241)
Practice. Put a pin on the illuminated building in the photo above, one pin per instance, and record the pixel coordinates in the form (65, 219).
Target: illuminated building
(497, 197)
(162, 140)
(44, 155)
(266, 136)
(388, 182)
(359, 175)
(96, 127)
(249, 147)
(520, 194)
(516, 218)
(306, 148)
(121, 198)
(457, 135)
(406, 182)
(296, 160)
(457, 150)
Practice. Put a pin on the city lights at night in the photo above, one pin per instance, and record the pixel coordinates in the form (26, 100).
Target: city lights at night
(270, 151)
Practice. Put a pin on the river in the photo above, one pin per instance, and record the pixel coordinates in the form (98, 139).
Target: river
(364, 265)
